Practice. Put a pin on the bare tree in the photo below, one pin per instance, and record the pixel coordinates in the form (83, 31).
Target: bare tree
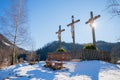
(14, 23)
(114, 7)
(32, 56)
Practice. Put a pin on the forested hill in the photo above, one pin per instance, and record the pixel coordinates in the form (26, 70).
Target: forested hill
(101, 45)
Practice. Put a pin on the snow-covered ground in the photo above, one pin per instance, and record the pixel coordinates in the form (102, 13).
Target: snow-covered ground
(85, 70)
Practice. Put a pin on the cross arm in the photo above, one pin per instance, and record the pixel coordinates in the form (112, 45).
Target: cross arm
(92, 19)
(60, 31)
(88, 21)
(57, 32)
(73, 22)
(96, 17)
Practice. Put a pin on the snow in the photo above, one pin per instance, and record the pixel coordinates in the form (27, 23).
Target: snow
(118, 61)
(84, 70)
(7, 44)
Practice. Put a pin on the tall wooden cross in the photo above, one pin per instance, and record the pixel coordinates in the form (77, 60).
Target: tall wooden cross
(91, 21)
(73, 31)
(59, 35)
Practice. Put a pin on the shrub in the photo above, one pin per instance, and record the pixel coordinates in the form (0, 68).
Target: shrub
(31, 62)
(61, 50)
(114, 60)
(48, 64)
(90, 46)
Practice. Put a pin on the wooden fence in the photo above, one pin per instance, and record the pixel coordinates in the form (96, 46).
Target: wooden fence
(95, 55)
(64, 56)
(83, 54)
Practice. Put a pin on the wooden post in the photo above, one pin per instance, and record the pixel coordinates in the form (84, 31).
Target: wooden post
(73, 31)
(91, 21)
(59, 35)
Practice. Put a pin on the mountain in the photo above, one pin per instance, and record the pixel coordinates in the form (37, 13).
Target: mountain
(101, 45)
(53, 46)
(6, 48)
(6, 44)
(106, 46)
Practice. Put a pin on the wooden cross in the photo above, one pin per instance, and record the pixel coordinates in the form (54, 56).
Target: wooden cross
(59, 35)
(91, 21)
(73, 31)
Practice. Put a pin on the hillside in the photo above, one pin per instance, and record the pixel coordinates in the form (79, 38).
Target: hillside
(101, 45)
(6, 44)
(6, 48)
(98, 70)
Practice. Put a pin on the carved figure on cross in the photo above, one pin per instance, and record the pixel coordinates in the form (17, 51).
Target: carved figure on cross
(73, 31)
(59, 35)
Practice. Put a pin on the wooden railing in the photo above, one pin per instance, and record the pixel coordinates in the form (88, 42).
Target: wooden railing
(95, 55)
(64, 56)
(83, 54)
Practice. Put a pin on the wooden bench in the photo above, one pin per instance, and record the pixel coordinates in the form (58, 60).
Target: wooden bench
(48, 63)
(54, 65)
(58, 65)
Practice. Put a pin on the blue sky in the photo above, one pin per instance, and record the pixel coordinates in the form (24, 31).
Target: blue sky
(45, 16)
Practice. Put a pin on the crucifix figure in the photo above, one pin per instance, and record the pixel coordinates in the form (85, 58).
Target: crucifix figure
(59, 35)
(73, 31)
(91, 21)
